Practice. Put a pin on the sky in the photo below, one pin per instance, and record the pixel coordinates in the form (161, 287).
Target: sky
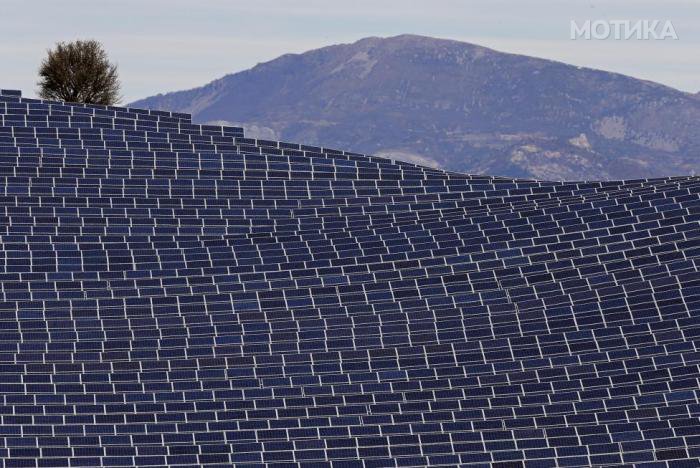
(169, 45)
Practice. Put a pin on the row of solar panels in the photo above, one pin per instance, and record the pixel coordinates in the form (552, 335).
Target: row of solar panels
(179, 295)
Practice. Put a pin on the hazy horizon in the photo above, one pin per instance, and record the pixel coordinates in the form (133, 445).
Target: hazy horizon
(175, 45)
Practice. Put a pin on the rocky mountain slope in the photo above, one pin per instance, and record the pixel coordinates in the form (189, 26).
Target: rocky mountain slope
(458, 106)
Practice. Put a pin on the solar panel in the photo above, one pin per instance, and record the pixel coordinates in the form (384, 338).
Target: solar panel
(176, 294)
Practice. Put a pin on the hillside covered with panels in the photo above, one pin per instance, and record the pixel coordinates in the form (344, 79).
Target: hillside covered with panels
(179, 295)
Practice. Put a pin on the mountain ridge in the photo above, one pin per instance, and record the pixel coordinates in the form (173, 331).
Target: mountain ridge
(459, 106)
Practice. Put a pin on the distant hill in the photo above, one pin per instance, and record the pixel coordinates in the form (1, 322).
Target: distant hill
(459, 106)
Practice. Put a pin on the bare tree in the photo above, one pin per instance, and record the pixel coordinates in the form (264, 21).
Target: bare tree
(79, 71)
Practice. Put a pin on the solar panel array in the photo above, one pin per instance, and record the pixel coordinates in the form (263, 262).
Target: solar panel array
(179, 295)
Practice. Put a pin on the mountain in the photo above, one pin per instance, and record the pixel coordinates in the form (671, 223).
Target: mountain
(458, 106)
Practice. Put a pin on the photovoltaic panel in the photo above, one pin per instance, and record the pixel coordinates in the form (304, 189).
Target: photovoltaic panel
(176, 294)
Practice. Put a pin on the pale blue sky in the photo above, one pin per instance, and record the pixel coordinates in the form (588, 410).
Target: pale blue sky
(166, 45)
